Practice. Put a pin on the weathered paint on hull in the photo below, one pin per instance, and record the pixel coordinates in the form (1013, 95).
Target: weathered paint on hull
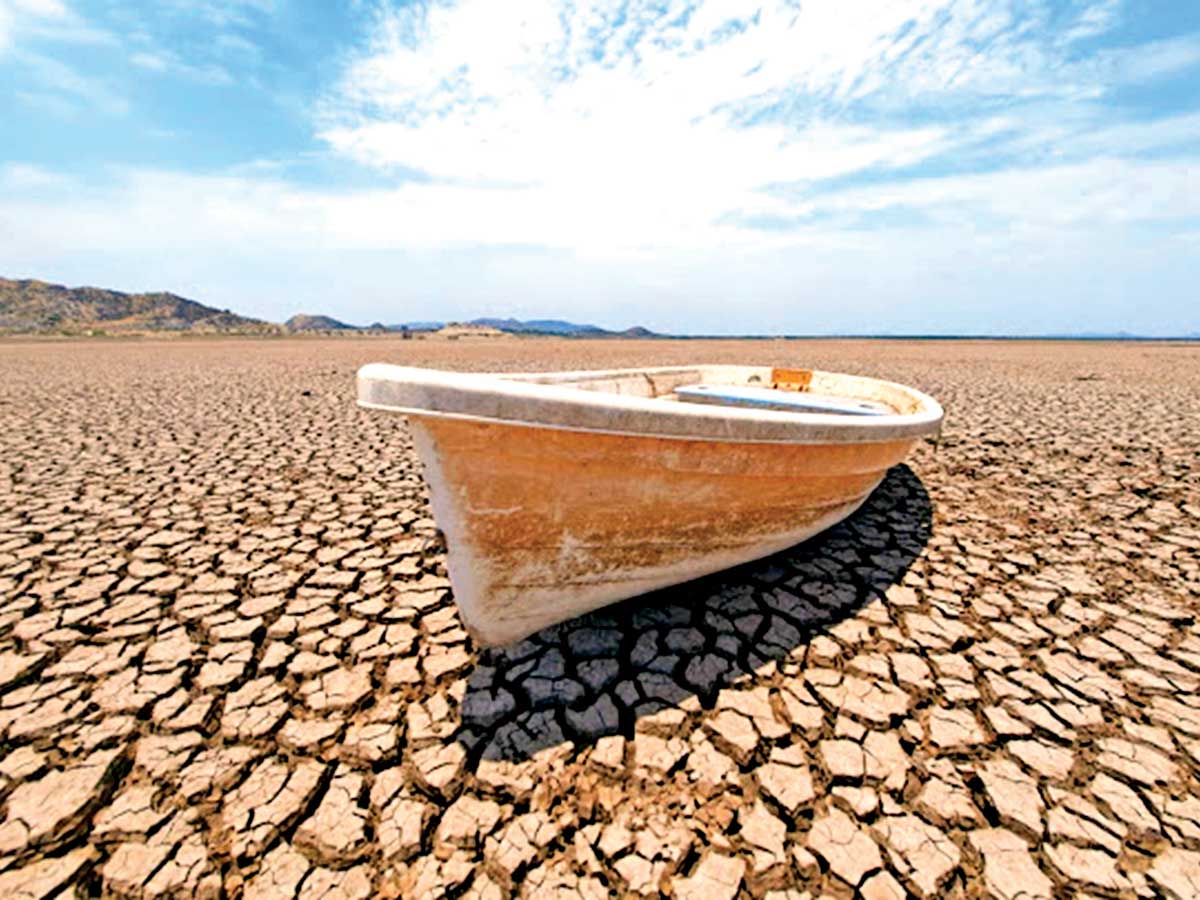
(543, 524)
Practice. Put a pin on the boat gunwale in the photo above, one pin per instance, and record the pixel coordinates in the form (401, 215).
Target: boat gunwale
(547, 400)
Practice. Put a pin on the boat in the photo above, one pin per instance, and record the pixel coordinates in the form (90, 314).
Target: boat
(562, 492)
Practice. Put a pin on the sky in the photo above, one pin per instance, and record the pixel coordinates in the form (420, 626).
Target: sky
(700, 166)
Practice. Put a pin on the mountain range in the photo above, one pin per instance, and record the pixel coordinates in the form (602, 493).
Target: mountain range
(531, 326)
(31, 306)
(28, 306)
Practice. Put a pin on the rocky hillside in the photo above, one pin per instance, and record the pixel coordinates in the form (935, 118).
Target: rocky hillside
(36, 306)
(304, 322)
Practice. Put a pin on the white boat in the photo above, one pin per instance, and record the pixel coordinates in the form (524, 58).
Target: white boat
(562, 492)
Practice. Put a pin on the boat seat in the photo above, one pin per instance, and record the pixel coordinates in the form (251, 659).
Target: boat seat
(770, 398)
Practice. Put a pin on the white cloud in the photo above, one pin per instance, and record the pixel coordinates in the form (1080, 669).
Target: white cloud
(1012, 252)
(611, 127)
(45, 19)
(63, 88)
(1145, 62)
(30, 31)
(1098, 193)
(19, 177)
(221, 14)
(165, 62)
(42, 81)
(156, 208)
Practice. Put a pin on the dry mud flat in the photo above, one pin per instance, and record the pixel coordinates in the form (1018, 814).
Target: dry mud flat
(230, 664)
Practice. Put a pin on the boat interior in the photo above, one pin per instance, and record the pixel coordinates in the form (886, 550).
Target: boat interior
(756, 387)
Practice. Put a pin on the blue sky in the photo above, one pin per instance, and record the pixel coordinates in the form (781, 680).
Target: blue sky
(704, 166)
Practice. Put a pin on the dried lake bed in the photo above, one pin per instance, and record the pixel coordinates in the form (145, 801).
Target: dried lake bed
(230, 664)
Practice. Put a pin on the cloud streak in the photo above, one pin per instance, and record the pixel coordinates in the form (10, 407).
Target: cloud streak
(54, 20)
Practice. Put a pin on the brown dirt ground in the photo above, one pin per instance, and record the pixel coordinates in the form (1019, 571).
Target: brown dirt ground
(230, 663)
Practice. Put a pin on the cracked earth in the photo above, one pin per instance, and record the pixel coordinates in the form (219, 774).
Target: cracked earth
(230, 663)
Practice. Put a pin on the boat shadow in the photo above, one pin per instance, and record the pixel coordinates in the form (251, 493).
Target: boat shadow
(598, 674)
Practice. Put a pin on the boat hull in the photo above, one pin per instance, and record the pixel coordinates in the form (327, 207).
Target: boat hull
(544, 523)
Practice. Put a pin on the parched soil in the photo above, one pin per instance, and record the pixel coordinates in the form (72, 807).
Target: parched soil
(230, 662)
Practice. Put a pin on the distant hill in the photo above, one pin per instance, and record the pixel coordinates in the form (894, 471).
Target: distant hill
(520, 326)
(539, 326)
(303, 322)
(33, 306)
(414, 326)
(559, 327)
